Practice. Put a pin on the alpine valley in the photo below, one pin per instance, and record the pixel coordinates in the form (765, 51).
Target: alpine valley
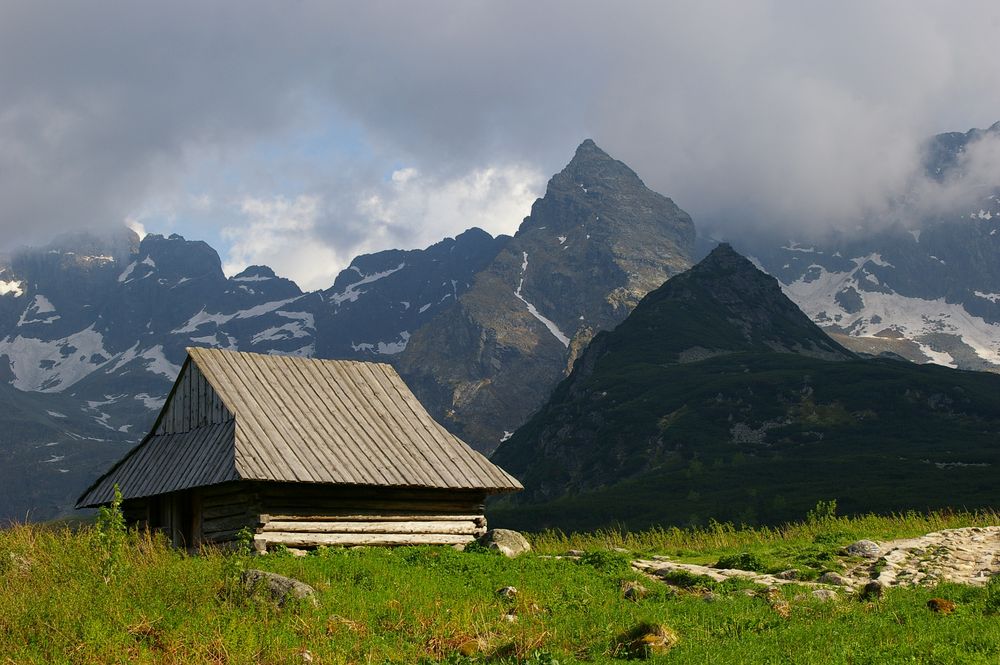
(658, 413)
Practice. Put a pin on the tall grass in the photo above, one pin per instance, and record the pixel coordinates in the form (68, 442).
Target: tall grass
(718, 537)
(61, 602)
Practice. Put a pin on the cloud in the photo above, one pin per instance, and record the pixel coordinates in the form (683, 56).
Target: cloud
(749, 113)
(297, 238)
(281, 233)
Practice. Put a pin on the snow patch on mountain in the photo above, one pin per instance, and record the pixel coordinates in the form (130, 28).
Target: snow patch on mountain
(203, 317)
(301, 324)
(550, 325)
(36, 311)
(150, 402)
(12, 286)
(352, 292)
(385, 348)
(53, 366)
(157, 363)
(881, 313)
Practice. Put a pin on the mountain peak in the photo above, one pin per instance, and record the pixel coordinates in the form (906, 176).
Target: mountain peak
(724, 304)
(589, 150)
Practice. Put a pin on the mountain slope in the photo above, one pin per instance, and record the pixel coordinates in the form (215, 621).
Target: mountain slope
(596, 243)
(766, 418)
(98, 326)
(929, 289)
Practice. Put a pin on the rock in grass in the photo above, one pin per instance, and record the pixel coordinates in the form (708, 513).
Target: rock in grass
(634, 591)
(873, 590)
(941, 605)
(647, 640)
(576, 553)
(790, 574)
(507, 542)
(281, 589)
(866, 549)
(507, 592)
(824, 595)
(835, 579)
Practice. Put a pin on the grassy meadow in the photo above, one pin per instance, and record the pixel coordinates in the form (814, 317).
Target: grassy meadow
(97, 594)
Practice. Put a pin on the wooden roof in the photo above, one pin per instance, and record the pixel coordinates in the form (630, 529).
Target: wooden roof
(302, 420)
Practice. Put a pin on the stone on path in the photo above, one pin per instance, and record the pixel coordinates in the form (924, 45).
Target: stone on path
(866, 549)
(835, 579)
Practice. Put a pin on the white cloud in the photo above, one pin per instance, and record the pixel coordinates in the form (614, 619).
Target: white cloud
(741, 110)
(414, 209)
(137, 226)
(281, 233)
(298, 237)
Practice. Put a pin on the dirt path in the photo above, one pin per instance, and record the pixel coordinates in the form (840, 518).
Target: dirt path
(965, 556)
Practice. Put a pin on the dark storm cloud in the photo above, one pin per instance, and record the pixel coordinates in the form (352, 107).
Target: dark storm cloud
(797, 113)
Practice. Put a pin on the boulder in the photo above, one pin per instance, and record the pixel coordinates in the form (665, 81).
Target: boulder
(941, 605)
(790, 574)
(866, 549)
(634, 591)
(507, 542)
(824, 595)
(835, 579)
(873, 590)
(647, 640)
(279, 588)
(507, 592)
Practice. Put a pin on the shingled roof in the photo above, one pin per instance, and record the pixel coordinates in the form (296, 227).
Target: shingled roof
(292, 419)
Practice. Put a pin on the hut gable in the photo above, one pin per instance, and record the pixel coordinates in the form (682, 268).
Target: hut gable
(278, 419)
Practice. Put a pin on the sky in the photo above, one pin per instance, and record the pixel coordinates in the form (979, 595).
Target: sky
(300, 134)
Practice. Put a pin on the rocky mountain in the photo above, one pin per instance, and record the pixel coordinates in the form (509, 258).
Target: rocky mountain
(718, 398)
(95, 329)
(927, 289)
(593, 246)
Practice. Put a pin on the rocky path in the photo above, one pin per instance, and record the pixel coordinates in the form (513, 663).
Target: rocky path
(965, 556)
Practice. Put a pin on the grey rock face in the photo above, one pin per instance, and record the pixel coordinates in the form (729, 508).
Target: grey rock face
(279, 588)
(509, 543)
(593, 246)
(866, 549)
(835, 579)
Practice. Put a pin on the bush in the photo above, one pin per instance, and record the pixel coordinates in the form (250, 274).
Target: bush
(741, 561)
(613, 563)
(109, 537)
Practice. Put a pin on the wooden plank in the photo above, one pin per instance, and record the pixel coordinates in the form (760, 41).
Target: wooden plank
(351, 539)
(435, 527)
(292, 506)
(234, 523)
(478, 520)
(225, 510)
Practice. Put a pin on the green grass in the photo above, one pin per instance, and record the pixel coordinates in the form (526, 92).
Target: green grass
(62, 602)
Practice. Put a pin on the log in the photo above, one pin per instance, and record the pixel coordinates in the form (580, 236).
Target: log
(453, 527)
(350, 539)
(234, 523)
(479, 520)
(228, 510)
(298, 504)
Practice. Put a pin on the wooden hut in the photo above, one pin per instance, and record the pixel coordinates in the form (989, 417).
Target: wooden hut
(303, 452)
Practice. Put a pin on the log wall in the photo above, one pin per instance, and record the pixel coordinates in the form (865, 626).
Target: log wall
(306, 516)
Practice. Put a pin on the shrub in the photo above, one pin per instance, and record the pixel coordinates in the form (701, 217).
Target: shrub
(109, 537)
(741, 561)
